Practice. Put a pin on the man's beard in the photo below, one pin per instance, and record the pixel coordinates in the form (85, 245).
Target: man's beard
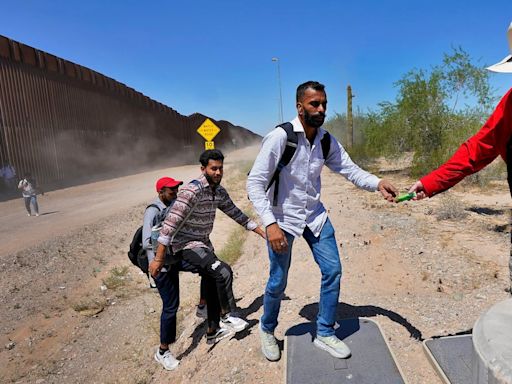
(210, 180)
(315, 121)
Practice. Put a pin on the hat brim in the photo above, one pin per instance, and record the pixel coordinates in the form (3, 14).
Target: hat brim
(504, 66)
(173, 185)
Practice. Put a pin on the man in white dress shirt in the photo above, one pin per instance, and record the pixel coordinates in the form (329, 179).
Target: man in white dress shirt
(296, 210)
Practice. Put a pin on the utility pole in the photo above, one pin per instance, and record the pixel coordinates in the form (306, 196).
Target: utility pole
(280, 105)
(350, 119)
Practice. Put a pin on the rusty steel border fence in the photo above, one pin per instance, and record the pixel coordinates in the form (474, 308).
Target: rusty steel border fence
(61, 121)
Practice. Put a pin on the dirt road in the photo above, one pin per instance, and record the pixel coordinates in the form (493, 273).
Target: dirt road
(68, 209)
(73, 310)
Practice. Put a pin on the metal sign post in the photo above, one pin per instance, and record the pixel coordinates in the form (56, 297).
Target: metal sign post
(208, 130)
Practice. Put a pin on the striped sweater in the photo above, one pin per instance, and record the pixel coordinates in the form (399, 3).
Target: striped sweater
(190, 220)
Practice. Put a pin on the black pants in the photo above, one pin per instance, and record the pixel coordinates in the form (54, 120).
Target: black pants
(216, 284)
(209, 266)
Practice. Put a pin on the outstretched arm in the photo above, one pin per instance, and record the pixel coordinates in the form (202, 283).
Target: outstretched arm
(387, 190)
(419, 190)
(340, 162)
(481, 149)
(158, 262)
(260, 232)
(227, 206)
(277, 238)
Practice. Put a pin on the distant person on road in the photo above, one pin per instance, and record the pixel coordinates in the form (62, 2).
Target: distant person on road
(28, 188)
(187, 229)
(492, 140)
(8, 174)
(295, 210)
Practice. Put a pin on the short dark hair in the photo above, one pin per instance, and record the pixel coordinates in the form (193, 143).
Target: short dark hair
(301, 89)
(210, 154)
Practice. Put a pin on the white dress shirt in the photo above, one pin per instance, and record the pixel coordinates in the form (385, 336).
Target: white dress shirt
(298, 202)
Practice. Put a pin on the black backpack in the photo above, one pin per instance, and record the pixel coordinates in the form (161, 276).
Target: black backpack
(137, 254)
(291, 145)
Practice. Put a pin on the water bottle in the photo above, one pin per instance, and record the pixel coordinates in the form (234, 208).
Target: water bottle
(155, 232)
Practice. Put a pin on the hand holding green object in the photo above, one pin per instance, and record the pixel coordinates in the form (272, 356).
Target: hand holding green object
(405, 197)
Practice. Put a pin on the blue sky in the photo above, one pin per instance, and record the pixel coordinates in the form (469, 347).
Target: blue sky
(214, 57)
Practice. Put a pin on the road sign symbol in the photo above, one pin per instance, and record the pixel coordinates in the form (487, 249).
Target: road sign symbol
(209, 145)
(208, 130)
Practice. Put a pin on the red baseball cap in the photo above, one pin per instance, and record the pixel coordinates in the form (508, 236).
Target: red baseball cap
(167, 182)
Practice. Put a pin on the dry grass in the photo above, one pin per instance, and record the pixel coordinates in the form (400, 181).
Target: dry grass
(232, 251)
(235, 185)
(90, 307)
(117, 278)
(450, 208)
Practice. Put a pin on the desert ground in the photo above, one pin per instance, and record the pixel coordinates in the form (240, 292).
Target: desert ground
(74, 310)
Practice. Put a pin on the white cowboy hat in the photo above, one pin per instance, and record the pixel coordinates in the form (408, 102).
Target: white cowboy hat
(504, 65)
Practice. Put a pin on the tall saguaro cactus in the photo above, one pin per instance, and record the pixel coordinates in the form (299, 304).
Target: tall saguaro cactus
(350, 120)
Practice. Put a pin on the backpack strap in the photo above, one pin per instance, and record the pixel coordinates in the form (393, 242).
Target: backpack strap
(154, 206)
(159, 211)
(197, 183)
(326, 144)
(291, 145)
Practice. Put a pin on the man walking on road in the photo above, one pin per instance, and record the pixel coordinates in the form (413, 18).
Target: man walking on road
(289, 206)
(28, 187)
(187, 229)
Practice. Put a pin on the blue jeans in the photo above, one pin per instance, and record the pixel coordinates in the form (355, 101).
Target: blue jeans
(325, 253)
(31, 201)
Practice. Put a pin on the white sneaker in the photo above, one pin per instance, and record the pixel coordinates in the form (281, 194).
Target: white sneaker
(202, 311)
(232, 322)
(167, 360)
(28, 214)
(269, 345)
(152, 283)
(333, 345)
(218, 335)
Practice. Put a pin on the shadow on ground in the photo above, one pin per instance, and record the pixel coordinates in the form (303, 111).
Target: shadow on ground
(347, 311)
(486, 211)
(200, 330)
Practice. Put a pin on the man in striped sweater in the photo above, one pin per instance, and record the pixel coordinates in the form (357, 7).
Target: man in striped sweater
(187, 230)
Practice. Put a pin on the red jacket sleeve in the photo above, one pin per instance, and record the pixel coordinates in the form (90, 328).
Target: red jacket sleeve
(478, 151)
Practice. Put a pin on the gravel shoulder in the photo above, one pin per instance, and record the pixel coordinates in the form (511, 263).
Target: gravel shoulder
(417, 276)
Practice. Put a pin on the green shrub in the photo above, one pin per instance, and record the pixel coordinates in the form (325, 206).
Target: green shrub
(430, 116)
(117, 277)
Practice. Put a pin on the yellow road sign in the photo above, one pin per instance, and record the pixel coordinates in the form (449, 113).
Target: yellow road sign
(208, 130)
(209, 145)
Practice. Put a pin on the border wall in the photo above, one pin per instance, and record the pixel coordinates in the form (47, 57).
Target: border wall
(62, 121)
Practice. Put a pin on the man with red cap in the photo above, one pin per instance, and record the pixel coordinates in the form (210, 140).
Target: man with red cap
(167, 189)
(494, 139)
(168, 283)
